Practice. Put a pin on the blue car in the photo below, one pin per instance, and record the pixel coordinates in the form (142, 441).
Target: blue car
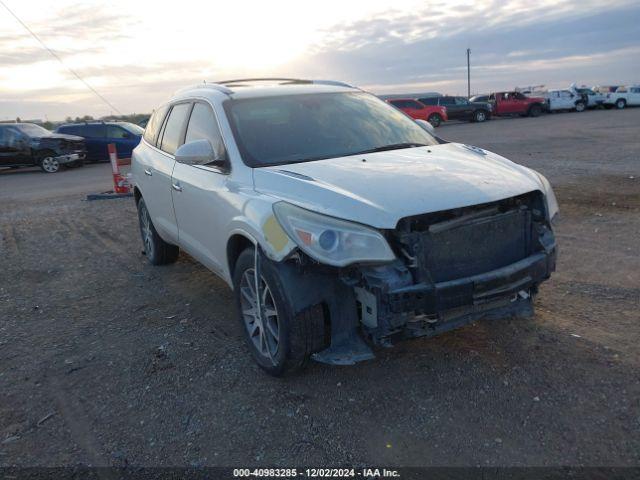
(98, 135)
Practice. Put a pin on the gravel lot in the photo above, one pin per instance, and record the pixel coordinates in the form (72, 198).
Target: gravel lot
(105, 360)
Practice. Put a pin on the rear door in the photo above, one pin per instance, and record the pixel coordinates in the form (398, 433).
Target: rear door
(158, 163)
(453, 112)
(200, 194)
(95, 135)
(14, 147)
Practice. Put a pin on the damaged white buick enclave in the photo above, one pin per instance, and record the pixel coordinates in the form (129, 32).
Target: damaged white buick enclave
(339, 223)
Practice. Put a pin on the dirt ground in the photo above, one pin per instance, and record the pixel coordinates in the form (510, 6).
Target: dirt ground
(106, 360)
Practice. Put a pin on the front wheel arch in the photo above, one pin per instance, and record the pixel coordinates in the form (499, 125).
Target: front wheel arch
(236, 244)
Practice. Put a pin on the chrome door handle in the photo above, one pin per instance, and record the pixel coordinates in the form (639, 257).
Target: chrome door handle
(148, 172)
(177, 187)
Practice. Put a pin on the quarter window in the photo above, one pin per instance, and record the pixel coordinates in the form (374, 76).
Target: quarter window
(174, 128)
(153, 127)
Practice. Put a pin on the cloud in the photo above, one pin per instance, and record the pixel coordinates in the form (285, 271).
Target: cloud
(397, 49)
(511, 43)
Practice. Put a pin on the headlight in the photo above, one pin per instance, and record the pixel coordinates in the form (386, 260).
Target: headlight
(330, 240)
(550, 197)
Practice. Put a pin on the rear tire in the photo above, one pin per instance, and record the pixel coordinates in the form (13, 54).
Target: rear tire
(621, 103)
(435, 120)
(535, 111)
(158, 251)
(289, 341)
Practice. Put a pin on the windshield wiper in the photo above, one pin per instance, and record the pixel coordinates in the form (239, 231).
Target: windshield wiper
(393, 146)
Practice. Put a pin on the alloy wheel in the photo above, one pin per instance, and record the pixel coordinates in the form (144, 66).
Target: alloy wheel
(50, 165)
(147, 233)
(260, 314)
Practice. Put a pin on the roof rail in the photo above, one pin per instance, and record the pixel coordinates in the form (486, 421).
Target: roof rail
(335, 83)
(264, 79)
(205, 84)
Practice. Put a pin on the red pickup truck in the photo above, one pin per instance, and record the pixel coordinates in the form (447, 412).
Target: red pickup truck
(515, 103)
(433, 114)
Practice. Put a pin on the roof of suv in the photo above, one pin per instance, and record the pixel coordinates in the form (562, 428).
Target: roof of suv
(266, 87)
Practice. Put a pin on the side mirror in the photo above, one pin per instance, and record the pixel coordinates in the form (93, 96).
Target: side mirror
(199, 152)
(426, 126)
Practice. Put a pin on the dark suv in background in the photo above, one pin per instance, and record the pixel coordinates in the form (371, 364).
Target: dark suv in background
(30, 145)
(459, 108)
(98, 135)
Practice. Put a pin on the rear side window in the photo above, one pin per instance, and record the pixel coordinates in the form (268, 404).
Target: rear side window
(71, 130)
(174, 128)
(429, 100)
(153, 127)
(93, 131)
(406, 104)
(117, 132)
(203, 126)
(447, 101)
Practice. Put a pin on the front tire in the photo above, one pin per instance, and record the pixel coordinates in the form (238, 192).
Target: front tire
(158, 251)
(48, 163)
(279, 340)
(535, 111)
(479, 116)
(435, 120)
(580, 107)
(620, 104)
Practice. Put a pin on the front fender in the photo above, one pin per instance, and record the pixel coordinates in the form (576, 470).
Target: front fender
(258, 223)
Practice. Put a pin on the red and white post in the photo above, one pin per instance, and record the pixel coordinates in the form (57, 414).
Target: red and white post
(120, 183)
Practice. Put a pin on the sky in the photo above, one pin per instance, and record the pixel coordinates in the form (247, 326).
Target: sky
(137, 53)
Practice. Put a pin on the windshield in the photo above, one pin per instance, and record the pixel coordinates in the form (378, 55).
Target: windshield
(132, 127)
(300, 128)
(33, 130)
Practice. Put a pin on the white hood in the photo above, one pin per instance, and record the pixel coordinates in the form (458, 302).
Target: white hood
(378, 189)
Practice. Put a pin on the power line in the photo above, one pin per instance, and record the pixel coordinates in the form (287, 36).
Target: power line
(55, 55)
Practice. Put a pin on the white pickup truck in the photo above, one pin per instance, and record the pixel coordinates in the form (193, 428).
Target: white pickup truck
(593, 98)
(565, 99)
(624, 97)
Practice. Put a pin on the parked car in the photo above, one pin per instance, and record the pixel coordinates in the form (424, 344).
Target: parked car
(338, 222)
(516, 103)
(558, 100)
(623, 97)
(435, 115)
(592, 98)
(459, 108)
(29, 145)
(98, 135)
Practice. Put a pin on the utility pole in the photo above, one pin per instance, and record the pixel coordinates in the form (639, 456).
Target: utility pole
(468, 73)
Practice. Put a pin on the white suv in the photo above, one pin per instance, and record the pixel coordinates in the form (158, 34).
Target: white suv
(624, 97)
(339, 223)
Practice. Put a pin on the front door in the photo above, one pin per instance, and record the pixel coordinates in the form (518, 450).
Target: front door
(200, 195)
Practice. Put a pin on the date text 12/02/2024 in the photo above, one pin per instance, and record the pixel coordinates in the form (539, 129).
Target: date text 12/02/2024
(316, 473)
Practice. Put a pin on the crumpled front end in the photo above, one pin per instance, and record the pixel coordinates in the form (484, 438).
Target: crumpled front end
(455, 267)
